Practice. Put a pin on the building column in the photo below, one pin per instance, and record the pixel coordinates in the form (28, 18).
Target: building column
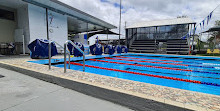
(48, 38)
(87, 34)
(194, 31)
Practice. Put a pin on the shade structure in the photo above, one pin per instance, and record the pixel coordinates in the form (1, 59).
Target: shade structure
(216, 28)
(102, 32)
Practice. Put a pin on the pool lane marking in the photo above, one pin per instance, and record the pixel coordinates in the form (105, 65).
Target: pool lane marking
(167, 67)
(181, 61)
(148, 70)
(147, 61)
(145, 74)
(173, 74)
(142, 65)
(150, 59)
(167, 60)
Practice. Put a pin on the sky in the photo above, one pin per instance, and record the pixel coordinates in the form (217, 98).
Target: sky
(146, 10)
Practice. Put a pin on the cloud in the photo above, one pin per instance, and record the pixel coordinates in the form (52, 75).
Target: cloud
(145, 10)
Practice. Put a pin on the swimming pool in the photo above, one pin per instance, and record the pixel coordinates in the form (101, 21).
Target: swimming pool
(201, 74)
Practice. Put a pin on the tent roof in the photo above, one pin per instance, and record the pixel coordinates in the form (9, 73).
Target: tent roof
(102, 32)
(162, 22)
(216, 28)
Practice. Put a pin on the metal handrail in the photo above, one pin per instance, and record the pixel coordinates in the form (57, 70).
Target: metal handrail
(65, 47)
(49, 47)
(49, 54)
(131, 40)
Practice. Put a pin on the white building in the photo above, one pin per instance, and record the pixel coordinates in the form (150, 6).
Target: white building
(29, 18)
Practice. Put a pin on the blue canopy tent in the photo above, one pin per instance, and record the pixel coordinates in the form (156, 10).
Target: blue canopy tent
(109, 49)
(39, 49)
(74, 51)
(96, 49)
(118, 49)
(124, 49)
(121, 49)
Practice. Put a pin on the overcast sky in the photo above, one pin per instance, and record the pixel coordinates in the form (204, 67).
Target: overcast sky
(145, 10)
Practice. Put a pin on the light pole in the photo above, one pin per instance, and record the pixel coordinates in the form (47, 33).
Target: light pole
(120, 25)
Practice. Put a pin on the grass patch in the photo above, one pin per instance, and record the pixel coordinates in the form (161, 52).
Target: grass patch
(217, 55)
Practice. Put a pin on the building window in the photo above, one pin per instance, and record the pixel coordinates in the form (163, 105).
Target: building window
(152, 30)
(160, 32)
(4, 14)
(138, 30)
(143, 30)
(162, 29)
(147, 30)
(171, 29)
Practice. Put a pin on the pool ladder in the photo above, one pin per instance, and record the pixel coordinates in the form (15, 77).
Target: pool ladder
(66, 52)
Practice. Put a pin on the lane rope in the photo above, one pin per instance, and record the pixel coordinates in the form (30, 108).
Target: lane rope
(160, 63)
(182, 61)
(150, 59)
(148, 70)
(147, 61)
(145, 74)
(167, 61)
(142, 65)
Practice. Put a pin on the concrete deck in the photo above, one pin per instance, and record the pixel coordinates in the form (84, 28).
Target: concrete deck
(135, 95)
(23, 93)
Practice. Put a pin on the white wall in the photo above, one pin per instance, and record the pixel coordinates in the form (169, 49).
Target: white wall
(57, 27)
(23, 23)
(37, 22)
(38, 27)
(7, 28)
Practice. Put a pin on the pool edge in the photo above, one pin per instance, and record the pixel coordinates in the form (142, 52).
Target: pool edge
(65, 82)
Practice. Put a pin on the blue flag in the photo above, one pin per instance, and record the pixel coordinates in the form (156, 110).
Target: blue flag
(184, 37)
(200, 25)
(210, 16)
(203, 23)
(207, 19)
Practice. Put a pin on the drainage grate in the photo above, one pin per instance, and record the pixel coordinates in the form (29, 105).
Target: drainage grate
(1, 76)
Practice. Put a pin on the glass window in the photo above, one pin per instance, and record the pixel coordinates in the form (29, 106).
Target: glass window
(147, 30)
(129, 33)
(162, 29)
(151, 36)
(138, 30)
(134, 31)
(171, 28)
(185, 28)
(180, 28)
(152, 30)
(142, 30)
(139, 36)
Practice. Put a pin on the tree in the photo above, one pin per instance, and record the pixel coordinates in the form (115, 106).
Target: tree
(214, 34)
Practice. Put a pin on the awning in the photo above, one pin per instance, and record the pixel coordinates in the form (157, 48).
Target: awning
(102, 32)
(217, 28)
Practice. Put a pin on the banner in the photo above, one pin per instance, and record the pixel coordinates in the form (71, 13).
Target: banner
(200, 25)
(203, 23)
(207, 19)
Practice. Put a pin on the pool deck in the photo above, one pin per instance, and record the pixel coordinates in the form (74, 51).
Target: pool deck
(172, 96)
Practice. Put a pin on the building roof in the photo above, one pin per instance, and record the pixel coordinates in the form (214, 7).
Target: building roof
(77, 20)
(162, 22)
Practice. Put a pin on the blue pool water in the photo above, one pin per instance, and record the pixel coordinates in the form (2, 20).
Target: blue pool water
(190, 68)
